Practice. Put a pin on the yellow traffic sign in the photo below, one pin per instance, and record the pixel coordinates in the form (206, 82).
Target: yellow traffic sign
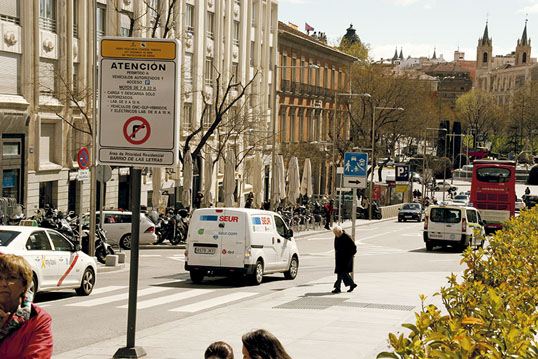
(138, 49)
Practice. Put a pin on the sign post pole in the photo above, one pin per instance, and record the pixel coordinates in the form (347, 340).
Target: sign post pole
(139, 127)
(353, 216)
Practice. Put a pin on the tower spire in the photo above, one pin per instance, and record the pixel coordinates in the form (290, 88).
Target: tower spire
(485, 37)
(524, 36)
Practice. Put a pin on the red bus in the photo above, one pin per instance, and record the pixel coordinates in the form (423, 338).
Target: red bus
(477, 153)
(493, 191)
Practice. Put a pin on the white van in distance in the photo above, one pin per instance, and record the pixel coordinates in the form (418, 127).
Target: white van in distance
(246, 241)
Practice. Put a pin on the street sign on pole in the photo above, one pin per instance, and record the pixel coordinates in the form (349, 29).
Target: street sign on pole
(401, 173)
(139, 102)
(355, 165)
(83, 158)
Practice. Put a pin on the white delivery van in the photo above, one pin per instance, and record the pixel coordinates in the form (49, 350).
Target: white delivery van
(246, 241)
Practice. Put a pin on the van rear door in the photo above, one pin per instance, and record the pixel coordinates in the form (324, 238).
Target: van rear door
(453, 226)
(204, 241)
(232, 238)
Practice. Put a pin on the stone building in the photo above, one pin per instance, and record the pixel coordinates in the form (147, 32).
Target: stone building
(501, 75)
(46, 65)
(311, 74)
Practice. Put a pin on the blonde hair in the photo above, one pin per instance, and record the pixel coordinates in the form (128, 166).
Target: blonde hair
(17, 265)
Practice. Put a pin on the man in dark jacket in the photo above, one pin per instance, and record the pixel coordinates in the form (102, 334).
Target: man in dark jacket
(344, 251)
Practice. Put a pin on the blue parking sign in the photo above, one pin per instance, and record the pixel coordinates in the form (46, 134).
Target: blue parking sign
(402, 173)
(355, 164)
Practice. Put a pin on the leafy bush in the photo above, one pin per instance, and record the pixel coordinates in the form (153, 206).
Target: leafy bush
(491, 311)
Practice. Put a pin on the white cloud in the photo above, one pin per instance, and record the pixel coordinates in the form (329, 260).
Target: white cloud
(404, 2)
(295, 2)
(530, 9)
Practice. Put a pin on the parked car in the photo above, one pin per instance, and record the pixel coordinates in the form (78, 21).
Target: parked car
(411, 211)
(56, 262)
(461, 199)
(519, 204)
(456, 226)
(415, 177)
(444, 186)
(117, 225)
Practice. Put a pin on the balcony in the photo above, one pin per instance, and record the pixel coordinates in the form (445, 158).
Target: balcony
(285, 86)
(296, 87)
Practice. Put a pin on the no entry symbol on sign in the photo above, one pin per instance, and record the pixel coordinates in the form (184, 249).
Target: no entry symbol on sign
(136, 130)
(83, 158)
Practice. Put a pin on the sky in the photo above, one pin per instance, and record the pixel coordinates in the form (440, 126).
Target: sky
(418, 26)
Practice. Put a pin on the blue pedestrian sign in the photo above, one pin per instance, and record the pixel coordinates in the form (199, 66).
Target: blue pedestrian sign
(355, 164)
(355, 169)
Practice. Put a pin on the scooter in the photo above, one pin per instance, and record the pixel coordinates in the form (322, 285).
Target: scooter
(364, 212)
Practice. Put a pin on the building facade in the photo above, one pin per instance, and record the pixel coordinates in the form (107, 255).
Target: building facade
(311, 75)
(46, 66)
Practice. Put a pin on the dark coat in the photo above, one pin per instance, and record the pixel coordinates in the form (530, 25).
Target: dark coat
(344, 249)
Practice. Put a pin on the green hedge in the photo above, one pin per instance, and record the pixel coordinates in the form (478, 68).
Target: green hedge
(490, 312)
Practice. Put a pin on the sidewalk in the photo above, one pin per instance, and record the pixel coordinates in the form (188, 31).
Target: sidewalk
(309, 320)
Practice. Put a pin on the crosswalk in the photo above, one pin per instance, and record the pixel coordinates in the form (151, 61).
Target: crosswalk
(363, 249)
(195, 299)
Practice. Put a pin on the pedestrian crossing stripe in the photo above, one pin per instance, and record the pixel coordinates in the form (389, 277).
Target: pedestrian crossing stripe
(213, 302)
(116, 298)
(169, 298)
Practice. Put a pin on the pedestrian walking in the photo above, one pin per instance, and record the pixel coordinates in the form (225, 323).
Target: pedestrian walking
(25, 328)
(344, 251)
(260, 344)
(219, 350)
(527, 191)
(250, 199)
(329, 209)
(198, 200)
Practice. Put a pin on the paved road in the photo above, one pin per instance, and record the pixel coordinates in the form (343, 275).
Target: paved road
(166, 294)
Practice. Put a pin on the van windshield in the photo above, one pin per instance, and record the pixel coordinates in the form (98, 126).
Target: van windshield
(445, 215)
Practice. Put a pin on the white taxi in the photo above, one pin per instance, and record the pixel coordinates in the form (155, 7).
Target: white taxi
(56, 262)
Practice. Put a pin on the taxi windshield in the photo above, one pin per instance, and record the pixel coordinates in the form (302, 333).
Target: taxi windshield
(7, 236)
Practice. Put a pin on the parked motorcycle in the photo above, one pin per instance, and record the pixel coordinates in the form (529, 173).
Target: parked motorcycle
(364, 212)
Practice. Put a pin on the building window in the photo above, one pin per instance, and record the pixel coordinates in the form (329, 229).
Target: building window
(47, 75)
(485, 57)
(210, 25)
(333, 76)
(301, 125)
(75, 77)
(293, 70)
(75, 19)
(252, 58)
(208, 118)
(187, 116)
(9, 11)
(209, 71)
(189, 19)
(187, 68)
(283, 126)
(235, 70)
(325, 77)
(10, 64)
(318, 75)
(254, 13)
(101, 22)
(125, 28)
(310, 125)
(271, 58)
(524, 57)
(293, 126)
(302, 70)
(47, 15)
(340, 83)
(235, 33)
(49, 144)
(310, 69)
(284, 64)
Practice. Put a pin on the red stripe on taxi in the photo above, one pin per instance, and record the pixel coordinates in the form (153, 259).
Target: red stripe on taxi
(68, 270)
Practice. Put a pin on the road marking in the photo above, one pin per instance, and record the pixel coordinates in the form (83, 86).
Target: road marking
(170, 298)
(108, 289)
(115, 298)
(213, 302)
(150, 255)
(168, 282)
(180, 259)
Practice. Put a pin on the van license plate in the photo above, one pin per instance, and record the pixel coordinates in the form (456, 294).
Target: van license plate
(203, 250)
(435, 235)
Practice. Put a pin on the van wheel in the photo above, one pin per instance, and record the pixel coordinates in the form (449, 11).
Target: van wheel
(125, 241)
(464, 244)
(293, 270)
(429, 246)
(197, 276)
(257, 276)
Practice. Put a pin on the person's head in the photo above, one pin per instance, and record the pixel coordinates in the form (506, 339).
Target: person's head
(337, 230)
(15, 279)
(260, 344)
(219, 350)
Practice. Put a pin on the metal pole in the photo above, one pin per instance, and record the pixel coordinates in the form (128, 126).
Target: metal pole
(101, 195)
(93, 177)
(333, 189)
(353, 216)
(444, 165)
(423, 165)
(273, 149)
(372, 167)
(131, 351)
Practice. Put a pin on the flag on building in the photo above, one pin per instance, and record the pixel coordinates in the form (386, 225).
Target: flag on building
(308, 28)
(293, 25)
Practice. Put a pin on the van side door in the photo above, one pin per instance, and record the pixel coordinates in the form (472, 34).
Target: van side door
(282, 249)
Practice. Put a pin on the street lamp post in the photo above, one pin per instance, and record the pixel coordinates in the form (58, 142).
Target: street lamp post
(275, 114)
(373, 149)
(336, 94)
(453, 150)
(444, 167)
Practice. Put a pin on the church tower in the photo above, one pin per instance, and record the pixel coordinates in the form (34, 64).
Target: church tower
(484, 51)
(523, 49)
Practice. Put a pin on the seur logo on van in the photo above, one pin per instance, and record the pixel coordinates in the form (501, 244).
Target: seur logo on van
(229, 219)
